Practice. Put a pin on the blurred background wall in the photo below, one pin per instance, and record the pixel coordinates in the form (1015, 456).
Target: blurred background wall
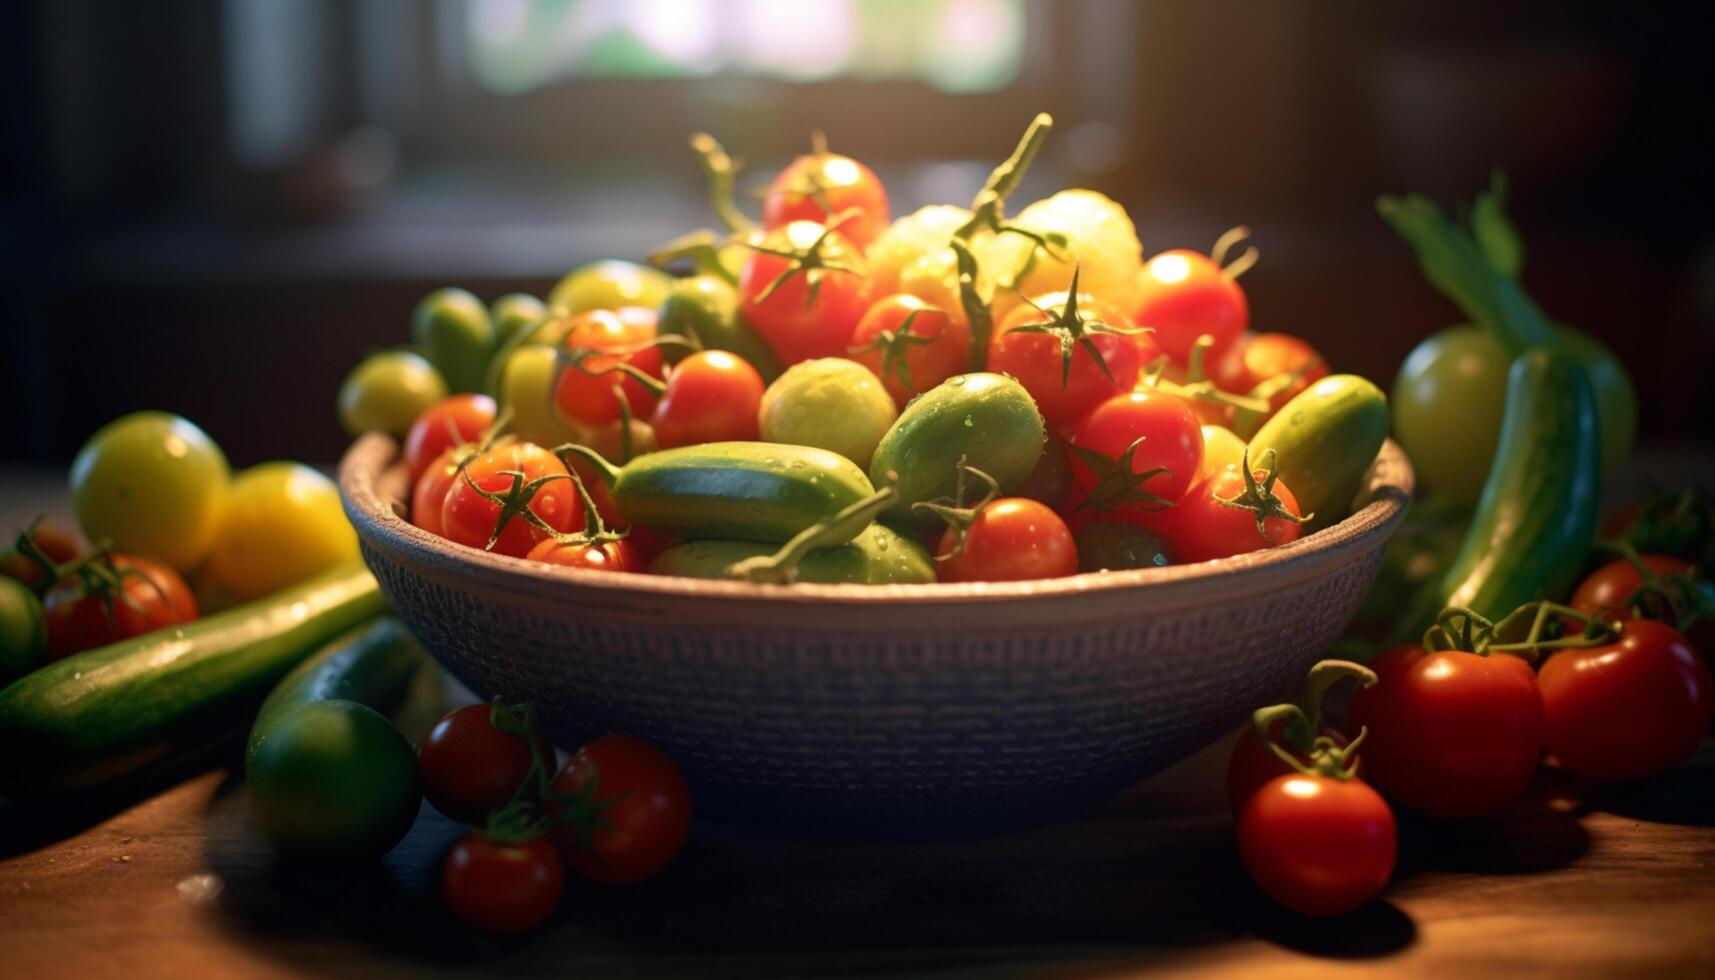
(216, 206)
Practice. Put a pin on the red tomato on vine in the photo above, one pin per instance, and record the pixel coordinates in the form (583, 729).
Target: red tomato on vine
(596, 344)
(821, 185)
(1136, 453)
(804, 288)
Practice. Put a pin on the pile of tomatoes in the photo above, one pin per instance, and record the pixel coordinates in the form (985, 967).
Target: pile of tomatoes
(818, 326)
(175, 535)
(1613, 687)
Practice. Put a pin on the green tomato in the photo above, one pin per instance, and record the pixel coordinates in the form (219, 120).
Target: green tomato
(1616, 398)
(706, 308)
(453, 328)
(1447, 404)
(283, 524)
(334, 780)
(154, 483)
(525, 388)
(23, 637)
(513, 314)
(1112, 546)
(829, 403)
(387, 391)
(609, 285)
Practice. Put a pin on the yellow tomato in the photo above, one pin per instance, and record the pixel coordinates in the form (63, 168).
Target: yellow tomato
(1100, 239)
(283, 524)
(1220, 448)
(152, 483)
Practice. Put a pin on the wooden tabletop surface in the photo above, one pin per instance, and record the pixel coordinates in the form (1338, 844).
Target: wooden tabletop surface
(170, 879)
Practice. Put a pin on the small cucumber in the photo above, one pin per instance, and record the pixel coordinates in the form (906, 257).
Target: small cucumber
(109, 711)
(1537, 515)
(877, 556)
(1324, 441)
(748, 491)
(705, 307)
(329, 775)
(988, 420)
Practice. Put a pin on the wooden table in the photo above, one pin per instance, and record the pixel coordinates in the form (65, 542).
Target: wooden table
(171, 880)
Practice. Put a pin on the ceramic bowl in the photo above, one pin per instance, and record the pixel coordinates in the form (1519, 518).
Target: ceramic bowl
(889, 711)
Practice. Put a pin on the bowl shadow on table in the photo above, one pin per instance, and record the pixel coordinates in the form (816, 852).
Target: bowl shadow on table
(1119, 887)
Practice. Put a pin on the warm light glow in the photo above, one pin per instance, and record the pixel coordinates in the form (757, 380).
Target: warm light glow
(1301, 787)
(841, 171)
(1439, 670)
(1169, 269)
(797, 39)
(683, 32)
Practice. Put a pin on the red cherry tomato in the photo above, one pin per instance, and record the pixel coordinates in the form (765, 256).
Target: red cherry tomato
(1627, 710)
(148, 596)
(1609, 589)
(429, 492)
(59, 545)
(1037, 359)
(1317, 845)
(1261, 357)
(586, 395)
(936, 347)
(451, 422)
(606, 556)
(1451, 734)
(1252, 764)
(504, 889)
(645, 810)
(841, 182)
(712, 396)
(796, 325)
(1172, 438)
(469, 518)
(1185, 295)
(1012, 539)
(470, 768)
(1202, 528)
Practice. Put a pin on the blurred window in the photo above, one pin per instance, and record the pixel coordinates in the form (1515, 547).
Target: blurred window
(515, 46)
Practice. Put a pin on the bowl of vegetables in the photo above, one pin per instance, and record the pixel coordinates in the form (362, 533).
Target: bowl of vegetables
(941, 524)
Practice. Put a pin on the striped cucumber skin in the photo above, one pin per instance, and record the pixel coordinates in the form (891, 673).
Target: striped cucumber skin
(1324, 441)
(877, 556)
(749, 491)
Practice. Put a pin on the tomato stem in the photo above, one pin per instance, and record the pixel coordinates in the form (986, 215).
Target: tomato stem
(702, 249)
(722, 173)
(781, 567)
(1260, 499)
(953, 510)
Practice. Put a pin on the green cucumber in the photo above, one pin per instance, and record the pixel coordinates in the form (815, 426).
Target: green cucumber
(705, 308)
(107, 712)
(749, 491)
(329, 775)
(1324, 441)
(877, 556)
(987, 420)
(1534, 522)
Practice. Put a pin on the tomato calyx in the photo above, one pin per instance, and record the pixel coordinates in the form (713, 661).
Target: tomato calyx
(808, 260)
(781, 567)
(595, 530)
(1245, 260)
(894, 346)
(1117, 484)
(26, 546)
(1259, 498)
(99, 576)
(1526, 632)
(1292, 731)
(515, 501)
(1682, 600)
(954, 511)
(809, 183)
(1074, 330)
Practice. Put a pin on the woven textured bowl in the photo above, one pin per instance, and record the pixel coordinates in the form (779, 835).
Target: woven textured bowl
(882, 711)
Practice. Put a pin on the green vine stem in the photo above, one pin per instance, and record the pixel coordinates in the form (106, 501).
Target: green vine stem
(595, 530)
(808, 260)
(1246, 259)
(702, 249)
(1300, 724)
(1259, 498)
(515, 501)
(988, 208)
(1524, 632)
(1683, 600)
(781, 567)
(722, 174)
(975, 306)
(958, 515)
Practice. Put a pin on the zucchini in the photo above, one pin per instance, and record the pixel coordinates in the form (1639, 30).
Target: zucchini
(329, 775)
(877, 556)
(749, 491)
(107, 712)
(1324, 441)
(1537, 515)
(987, 420)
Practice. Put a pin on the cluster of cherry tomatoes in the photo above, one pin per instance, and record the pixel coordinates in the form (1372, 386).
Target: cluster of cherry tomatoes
(1146, 374)
(1605, 689)
(616, 812)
